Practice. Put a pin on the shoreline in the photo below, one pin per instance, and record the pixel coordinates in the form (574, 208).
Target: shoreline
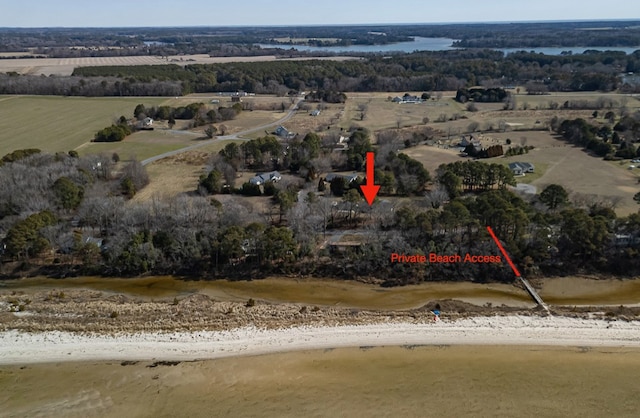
(17, 347)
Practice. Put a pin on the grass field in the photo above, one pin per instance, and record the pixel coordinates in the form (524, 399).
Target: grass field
(576, 170)
(331, 116)
(431, 156)
(60, 124)
(144, 144)
(54, 123)
(555, 162)
(382, 113)
(532, 112)
(179, 174)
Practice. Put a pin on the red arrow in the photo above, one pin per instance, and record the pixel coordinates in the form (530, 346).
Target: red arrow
(504, 253)
(370, 190)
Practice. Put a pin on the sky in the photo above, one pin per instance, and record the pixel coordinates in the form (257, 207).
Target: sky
(112, 13)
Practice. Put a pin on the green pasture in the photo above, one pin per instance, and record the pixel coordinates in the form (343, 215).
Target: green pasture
(54, 123)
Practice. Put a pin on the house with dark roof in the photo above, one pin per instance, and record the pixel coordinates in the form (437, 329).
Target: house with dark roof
(283, 132)
(465, 142)
(520, 168)
(407, 98)
(348, 178)
(262, 178)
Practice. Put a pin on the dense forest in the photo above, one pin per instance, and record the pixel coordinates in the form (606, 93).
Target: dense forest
(448, 70)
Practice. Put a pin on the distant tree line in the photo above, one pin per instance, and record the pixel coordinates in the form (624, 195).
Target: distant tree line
(67, 42)
(423, 71)
(13, 83)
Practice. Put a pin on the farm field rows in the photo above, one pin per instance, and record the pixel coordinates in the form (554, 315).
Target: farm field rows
(65, 66)
(59, 124)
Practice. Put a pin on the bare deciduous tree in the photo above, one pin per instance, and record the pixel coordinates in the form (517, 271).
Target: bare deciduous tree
(436, 197)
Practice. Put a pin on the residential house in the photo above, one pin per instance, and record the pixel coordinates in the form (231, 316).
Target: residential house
(98, 242)
(348, 178)
(520, 168)
(283, 132)
(262, 178)
(315, 113)
(407, 98)
(239, 93)
(147, 122)
(471, 140)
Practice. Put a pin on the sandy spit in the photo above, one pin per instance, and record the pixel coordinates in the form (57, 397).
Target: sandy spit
(19, 347)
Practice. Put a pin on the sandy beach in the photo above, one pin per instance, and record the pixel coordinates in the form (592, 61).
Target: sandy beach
(163, 348)
(21, 347)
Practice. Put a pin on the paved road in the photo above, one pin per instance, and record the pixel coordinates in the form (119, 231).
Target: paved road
(292, 111)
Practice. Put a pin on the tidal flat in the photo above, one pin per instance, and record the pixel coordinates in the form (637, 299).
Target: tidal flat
(409, 381)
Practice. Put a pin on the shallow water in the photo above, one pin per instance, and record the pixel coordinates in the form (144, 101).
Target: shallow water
(580, 291)
(304, 291)
(555, 291)
(419, 381)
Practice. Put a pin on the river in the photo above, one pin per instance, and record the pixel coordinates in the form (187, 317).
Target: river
(439, 44)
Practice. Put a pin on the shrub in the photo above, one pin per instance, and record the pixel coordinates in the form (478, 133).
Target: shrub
(250, 189)
(212, 182)
(113, 133)
(18, 155)
(270, 188)
(250, 303)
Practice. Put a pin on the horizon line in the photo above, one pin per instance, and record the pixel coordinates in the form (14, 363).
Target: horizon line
(494, 22)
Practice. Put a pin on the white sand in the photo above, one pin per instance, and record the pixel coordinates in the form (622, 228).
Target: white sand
(18, 347)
